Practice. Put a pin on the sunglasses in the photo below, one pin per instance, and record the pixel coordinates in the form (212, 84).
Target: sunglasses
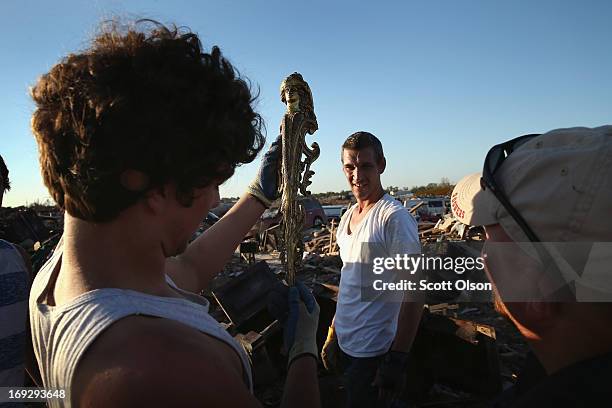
(493, 161)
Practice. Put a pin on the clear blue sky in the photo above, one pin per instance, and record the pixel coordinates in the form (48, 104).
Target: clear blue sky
(438, 82)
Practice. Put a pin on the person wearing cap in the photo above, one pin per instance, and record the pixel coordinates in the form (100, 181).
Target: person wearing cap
(371, 335)
(135, 135)
(545, 202)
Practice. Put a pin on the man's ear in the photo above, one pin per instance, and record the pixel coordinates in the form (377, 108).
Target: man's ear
(156, 199)
(382, 164)
(533, 318)
(134, 180)
(543, 311)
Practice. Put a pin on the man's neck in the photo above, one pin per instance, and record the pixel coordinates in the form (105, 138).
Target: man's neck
(557, 357)
(367, 203)
(591, 336)
(114, 254)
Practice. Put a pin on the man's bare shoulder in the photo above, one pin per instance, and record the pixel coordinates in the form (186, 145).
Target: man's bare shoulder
(147, 361)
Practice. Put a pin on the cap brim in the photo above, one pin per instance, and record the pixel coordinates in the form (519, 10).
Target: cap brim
(471, 204)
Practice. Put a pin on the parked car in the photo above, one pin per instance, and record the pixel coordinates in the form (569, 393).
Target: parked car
(431, 210)
(314, 216)
(334, 212)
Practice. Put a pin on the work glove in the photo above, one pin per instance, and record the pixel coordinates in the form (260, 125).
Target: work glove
(330, 353)
(265, 185)
(298, 311)
(391, 376)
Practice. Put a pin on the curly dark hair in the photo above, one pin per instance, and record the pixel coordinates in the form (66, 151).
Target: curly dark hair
(146, 98)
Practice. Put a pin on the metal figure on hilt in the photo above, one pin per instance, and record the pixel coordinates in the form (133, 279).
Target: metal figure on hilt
(298, 120)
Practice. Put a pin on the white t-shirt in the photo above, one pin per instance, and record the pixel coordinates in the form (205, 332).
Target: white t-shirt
(367, 328)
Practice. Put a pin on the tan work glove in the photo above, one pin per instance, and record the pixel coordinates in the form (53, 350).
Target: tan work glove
(302, 322)
(331, 351)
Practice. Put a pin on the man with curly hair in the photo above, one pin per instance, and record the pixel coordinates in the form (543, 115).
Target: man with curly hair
(135, 135)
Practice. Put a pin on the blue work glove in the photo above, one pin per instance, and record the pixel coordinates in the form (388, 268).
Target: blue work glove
(265, 185)
(391, 375)
(298, 311)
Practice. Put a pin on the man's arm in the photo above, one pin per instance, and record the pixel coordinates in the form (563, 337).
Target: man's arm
(196, 383)
(150, 362)
(297, 310)
(391, 373)
(407, 325)
(330, 353)
(402, 238)
(145, 361)
(204, 258)
(302, 384)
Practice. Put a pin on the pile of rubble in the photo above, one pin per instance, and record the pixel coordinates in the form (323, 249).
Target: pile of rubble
(37, 231)
(449, 228)
(323, 241)
(23, 226)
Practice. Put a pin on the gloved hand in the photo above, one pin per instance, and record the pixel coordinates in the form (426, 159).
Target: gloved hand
(300, 319)
(265, 185)
(302, 323)
(331, 351)
(391, 375)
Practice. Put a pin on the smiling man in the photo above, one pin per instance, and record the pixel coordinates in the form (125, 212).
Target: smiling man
(545, 201)
(370, 337)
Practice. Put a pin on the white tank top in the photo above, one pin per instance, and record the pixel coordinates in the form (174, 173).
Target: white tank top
(61, 334)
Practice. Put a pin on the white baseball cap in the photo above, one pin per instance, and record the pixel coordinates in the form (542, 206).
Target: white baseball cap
(560, 182)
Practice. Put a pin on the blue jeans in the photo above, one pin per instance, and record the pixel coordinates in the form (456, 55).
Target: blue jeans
(358, 376)
(359, 373)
